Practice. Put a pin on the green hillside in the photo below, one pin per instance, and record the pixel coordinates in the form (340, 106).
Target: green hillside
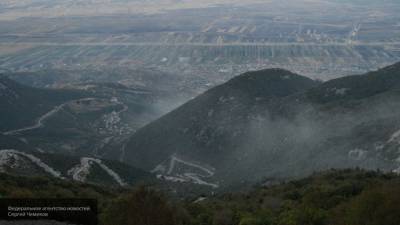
(335, 197)
(21, 105)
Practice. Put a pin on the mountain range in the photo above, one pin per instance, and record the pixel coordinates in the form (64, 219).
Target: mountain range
(275, 124)
(269, 124)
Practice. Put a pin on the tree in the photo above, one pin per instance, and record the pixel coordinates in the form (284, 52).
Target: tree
(374, 206)
(223, 217)
(143, 206)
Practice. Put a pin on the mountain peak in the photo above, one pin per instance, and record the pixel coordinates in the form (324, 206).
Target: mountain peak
(271, 82)
(358, 86)
(206, 124)
(268, 74)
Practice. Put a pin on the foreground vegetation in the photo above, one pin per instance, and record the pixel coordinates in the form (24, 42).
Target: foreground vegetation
(349, 197)
(336, 197)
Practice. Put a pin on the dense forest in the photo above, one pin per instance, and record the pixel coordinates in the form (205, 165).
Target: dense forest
(335, 197)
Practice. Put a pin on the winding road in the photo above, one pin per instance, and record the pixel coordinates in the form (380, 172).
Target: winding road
(40, 121)
(192, 177)
(82, 170)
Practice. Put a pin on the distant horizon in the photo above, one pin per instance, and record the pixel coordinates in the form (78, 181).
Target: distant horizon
(15, 9)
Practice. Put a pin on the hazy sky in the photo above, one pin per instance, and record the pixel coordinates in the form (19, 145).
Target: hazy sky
(11, 9)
